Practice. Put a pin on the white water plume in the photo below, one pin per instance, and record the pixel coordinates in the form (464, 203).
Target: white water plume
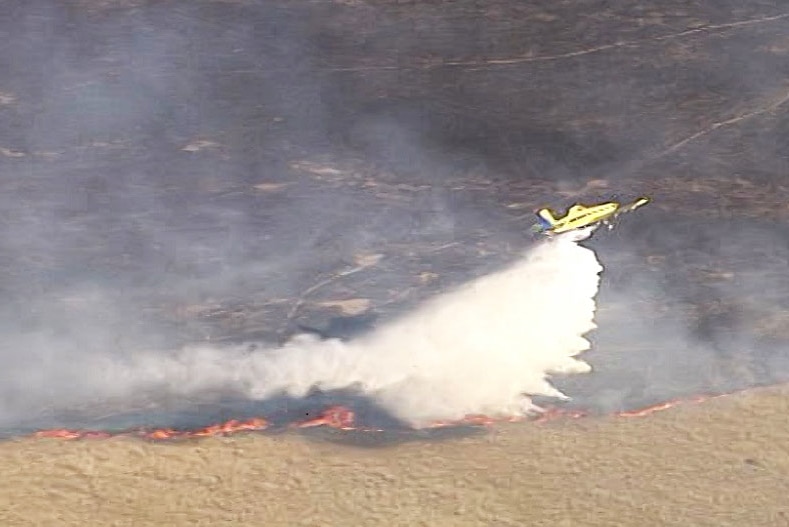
(482, 348)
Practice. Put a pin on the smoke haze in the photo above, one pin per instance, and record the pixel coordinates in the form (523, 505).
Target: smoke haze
(484, 348)
(481, 349)
(193, 176)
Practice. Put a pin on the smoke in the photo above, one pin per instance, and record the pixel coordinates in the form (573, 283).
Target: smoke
(483, 348)
(188, 172)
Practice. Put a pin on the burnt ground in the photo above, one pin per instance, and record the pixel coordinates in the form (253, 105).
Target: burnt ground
(230, 171)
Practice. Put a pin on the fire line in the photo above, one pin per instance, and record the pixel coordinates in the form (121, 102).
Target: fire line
(342, 418)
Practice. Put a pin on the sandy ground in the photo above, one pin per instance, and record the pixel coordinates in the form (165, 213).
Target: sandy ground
(723, 462)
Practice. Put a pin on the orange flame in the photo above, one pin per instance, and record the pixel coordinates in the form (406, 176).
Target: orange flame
(232, 426)
(162, 433)
(338, 417)
(669, 404)
(59, 433)
(649, 409)
(229, 427)
(472, 419)
(342, 418)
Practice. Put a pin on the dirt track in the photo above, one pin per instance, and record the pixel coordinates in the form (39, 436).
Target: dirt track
(723, 462)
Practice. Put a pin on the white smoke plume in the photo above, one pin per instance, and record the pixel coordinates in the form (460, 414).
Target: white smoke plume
(483, 348)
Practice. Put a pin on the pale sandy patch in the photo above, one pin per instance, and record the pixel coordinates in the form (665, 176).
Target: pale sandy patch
(724, 462)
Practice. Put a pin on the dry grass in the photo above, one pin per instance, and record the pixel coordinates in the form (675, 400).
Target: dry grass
(724, 462)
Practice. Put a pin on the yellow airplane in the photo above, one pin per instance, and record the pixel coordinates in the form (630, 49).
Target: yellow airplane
(579, 216)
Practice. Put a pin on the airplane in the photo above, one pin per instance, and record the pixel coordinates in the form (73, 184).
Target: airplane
(581, 216)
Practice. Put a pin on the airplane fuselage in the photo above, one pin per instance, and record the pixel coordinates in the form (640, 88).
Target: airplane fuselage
(579, 216)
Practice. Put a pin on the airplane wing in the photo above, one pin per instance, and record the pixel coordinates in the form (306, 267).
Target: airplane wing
(547, 224)
(610, 222)
(637, 203)
(640, 202)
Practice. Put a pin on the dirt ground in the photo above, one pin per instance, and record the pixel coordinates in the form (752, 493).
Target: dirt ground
(722, 462)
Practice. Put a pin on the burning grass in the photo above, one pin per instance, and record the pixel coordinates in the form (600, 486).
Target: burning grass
(720, 464)
(343, 418)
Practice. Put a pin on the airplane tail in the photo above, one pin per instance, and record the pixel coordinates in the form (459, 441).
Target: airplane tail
(546, 218)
